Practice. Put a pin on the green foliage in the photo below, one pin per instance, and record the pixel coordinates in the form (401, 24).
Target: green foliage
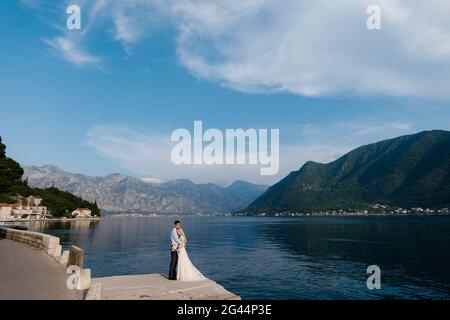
(63, 202)
(409, 171)
(59, 202)
(2, 149)
(10, 171)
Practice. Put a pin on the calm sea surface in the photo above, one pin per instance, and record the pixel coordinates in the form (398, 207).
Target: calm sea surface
(278, 258)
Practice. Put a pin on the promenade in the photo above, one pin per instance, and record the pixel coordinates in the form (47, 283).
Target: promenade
(28, 273)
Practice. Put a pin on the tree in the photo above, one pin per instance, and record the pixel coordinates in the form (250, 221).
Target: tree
(10, 171)
(59, 202)
(2, 149)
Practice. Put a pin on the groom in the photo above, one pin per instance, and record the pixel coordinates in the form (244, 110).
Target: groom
(175, 240)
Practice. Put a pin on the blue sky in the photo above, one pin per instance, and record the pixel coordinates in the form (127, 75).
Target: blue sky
(105, 98)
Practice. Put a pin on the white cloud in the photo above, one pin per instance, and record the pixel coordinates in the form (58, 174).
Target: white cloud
(136, 19)
(304, 47)
(349, 134)
(35, 4)
(148, 153)
(139, 151)
(132, 20)
(152, 180)
(70, 51)
(319, 47)
(401, 125)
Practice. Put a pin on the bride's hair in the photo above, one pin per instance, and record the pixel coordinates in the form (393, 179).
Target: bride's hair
(181, 233)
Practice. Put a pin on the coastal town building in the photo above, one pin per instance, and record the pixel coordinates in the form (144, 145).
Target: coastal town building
(34, 201)
(5, 211)
(82, 213)
(31, 211)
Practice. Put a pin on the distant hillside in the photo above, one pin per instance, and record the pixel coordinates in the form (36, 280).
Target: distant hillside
(11, 184)
(120, 193)
(408, 171)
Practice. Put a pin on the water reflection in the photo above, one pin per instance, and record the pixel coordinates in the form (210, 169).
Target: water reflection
(79, 225)
(410, 250)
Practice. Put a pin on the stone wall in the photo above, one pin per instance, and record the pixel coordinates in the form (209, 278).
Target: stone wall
(48, 244)
(71, 260)
(76, 257)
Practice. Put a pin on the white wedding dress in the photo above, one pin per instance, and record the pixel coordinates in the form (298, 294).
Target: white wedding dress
(186, 271)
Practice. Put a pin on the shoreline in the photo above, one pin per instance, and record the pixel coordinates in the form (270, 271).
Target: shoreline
(52, 220)
(280, 215)
(311, 215)
(231, 216)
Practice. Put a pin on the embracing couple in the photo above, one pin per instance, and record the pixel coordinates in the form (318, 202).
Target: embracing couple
(181, 267)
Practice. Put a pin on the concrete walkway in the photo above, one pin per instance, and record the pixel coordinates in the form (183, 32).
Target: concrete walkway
(158, 287)
(30, 274)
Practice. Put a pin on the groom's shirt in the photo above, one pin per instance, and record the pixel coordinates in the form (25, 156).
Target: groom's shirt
(174, 238)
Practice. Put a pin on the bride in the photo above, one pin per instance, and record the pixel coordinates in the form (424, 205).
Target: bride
(186, 271)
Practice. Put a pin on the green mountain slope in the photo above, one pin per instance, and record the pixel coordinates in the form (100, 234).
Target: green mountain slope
(11, 185)
(408, 171)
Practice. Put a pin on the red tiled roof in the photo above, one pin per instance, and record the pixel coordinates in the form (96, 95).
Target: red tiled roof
(5, 204)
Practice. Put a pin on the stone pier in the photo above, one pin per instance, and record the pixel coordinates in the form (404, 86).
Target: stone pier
(156, 287)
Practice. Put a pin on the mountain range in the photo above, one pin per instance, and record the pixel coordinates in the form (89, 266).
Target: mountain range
(13, 189)
(408, 171)
(117, 193)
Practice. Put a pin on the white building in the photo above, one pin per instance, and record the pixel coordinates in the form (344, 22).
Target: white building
(82, 213)
(34, 201)
(29, 212)
(5, 211)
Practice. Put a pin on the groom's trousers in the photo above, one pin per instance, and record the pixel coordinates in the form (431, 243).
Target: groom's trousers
(173, 265)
